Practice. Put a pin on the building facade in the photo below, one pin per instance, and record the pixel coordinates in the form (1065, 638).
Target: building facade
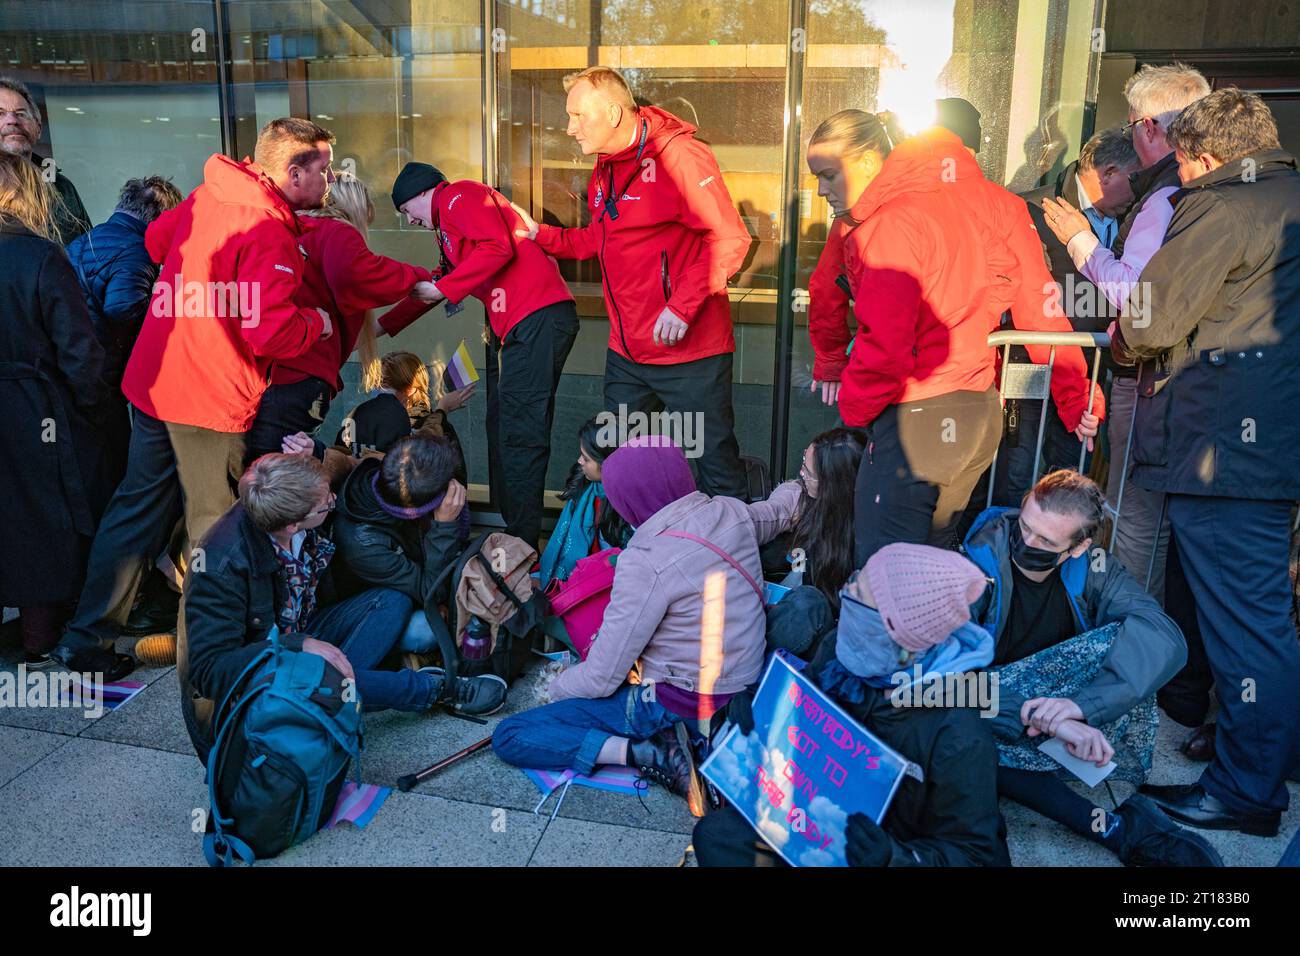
(136, 87)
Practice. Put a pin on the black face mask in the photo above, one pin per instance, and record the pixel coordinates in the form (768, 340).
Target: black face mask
(1031, 559)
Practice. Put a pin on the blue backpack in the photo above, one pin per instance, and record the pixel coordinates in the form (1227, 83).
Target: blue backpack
(285, 735)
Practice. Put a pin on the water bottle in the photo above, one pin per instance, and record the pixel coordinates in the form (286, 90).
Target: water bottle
(476, 642)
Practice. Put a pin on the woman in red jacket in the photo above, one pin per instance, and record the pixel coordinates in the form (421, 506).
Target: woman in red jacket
(928, 285)
(342, 276)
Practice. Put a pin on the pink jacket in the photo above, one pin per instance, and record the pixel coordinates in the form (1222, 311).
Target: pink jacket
(687, 616)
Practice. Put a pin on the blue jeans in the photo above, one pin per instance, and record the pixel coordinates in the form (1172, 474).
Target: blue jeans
(366, 627)
(568, 734)
(418, 637)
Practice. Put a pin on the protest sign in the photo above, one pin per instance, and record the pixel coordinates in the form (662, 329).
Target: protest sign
(804, 770)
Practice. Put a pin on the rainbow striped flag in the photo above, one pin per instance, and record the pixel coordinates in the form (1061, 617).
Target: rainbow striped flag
(460, 371)
(358, 805)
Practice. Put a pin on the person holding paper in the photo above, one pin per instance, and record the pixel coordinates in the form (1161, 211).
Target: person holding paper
(1081, 650)
(906, 619)
(532, 324)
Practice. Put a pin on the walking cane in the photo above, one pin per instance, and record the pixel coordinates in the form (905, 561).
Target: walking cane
(411, 779)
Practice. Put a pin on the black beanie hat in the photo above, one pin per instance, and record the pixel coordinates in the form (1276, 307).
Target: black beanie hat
(961, 117)
(414, 179)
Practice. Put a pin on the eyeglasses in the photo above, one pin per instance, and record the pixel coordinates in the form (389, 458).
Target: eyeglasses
(1128, 126)
(326, 510)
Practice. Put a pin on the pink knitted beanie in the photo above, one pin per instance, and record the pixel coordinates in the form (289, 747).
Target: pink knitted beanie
(923, 593)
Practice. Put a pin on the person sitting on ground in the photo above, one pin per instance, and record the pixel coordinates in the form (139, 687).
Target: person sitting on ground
(910, 604)
(403, 387)
(685, 616)
(398, 525)
(266, 565)
(821, 543)
(1081, 651)
(588, 522)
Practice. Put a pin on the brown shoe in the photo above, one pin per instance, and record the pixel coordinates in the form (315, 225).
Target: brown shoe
(158, 650)
(1199, 744)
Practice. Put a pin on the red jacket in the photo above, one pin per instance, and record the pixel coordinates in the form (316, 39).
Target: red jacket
(828, 307)
(342, 276)
(676, 241)
(482, 257)
(939, 253)
(223, 306)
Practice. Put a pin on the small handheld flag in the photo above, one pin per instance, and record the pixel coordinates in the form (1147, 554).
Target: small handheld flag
(460, 370)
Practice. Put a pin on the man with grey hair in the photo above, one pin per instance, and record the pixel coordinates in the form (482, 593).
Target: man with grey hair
(20, 131)
(1156, 95)
(1097, 182)
(1217, 434)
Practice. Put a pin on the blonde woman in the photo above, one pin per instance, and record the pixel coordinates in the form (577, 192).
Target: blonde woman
(342, 276)
(403, 403)
(54, 483)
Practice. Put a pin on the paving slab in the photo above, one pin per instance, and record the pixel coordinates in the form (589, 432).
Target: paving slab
(583, 843)
(98, 803)
(20, 749)
(152, 718)
(418, 830)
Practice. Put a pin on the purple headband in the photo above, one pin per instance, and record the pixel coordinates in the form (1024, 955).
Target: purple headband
(397, 511)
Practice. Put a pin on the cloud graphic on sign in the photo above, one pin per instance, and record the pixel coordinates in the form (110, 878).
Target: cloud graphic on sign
(734, 766)
(831, 820)
(771, 829)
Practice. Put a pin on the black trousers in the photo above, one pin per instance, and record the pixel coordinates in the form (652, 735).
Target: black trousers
(523, 372)
(698, 390)
(725, 838)
(922, 462)
(1234, 553)
(1015, 464)
(1186, 698)
(286, 410)
(172, 470)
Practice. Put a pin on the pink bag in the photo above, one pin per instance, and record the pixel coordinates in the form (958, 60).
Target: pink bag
(580, 600)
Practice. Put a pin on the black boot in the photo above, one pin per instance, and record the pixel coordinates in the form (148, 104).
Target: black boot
(666, 759)
(157, 611)
(1148, 838)
(103, 661)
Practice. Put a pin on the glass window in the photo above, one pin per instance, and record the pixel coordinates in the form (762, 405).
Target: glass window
(392, 90)
(719, 66)
(1023, 66)
(125, 90)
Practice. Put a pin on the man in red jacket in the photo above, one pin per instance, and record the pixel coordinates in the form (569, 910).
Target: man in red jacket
(667, 237)
(222, 310)
(532, 323)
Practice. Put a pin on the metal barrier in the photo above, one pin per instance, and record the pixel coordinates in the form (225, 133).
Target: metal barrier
(1028, 380)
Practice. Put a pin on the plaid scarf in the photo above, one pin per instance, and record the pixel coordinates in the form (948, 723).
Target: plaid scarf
(300, 576)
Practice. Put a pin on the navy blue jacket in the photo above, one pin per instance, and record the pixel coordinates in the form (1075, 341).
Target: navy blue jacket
(116, 276)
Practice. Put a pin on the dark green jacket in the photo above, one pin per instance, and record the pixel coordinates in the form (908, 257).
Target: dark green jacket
(1217, 400)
